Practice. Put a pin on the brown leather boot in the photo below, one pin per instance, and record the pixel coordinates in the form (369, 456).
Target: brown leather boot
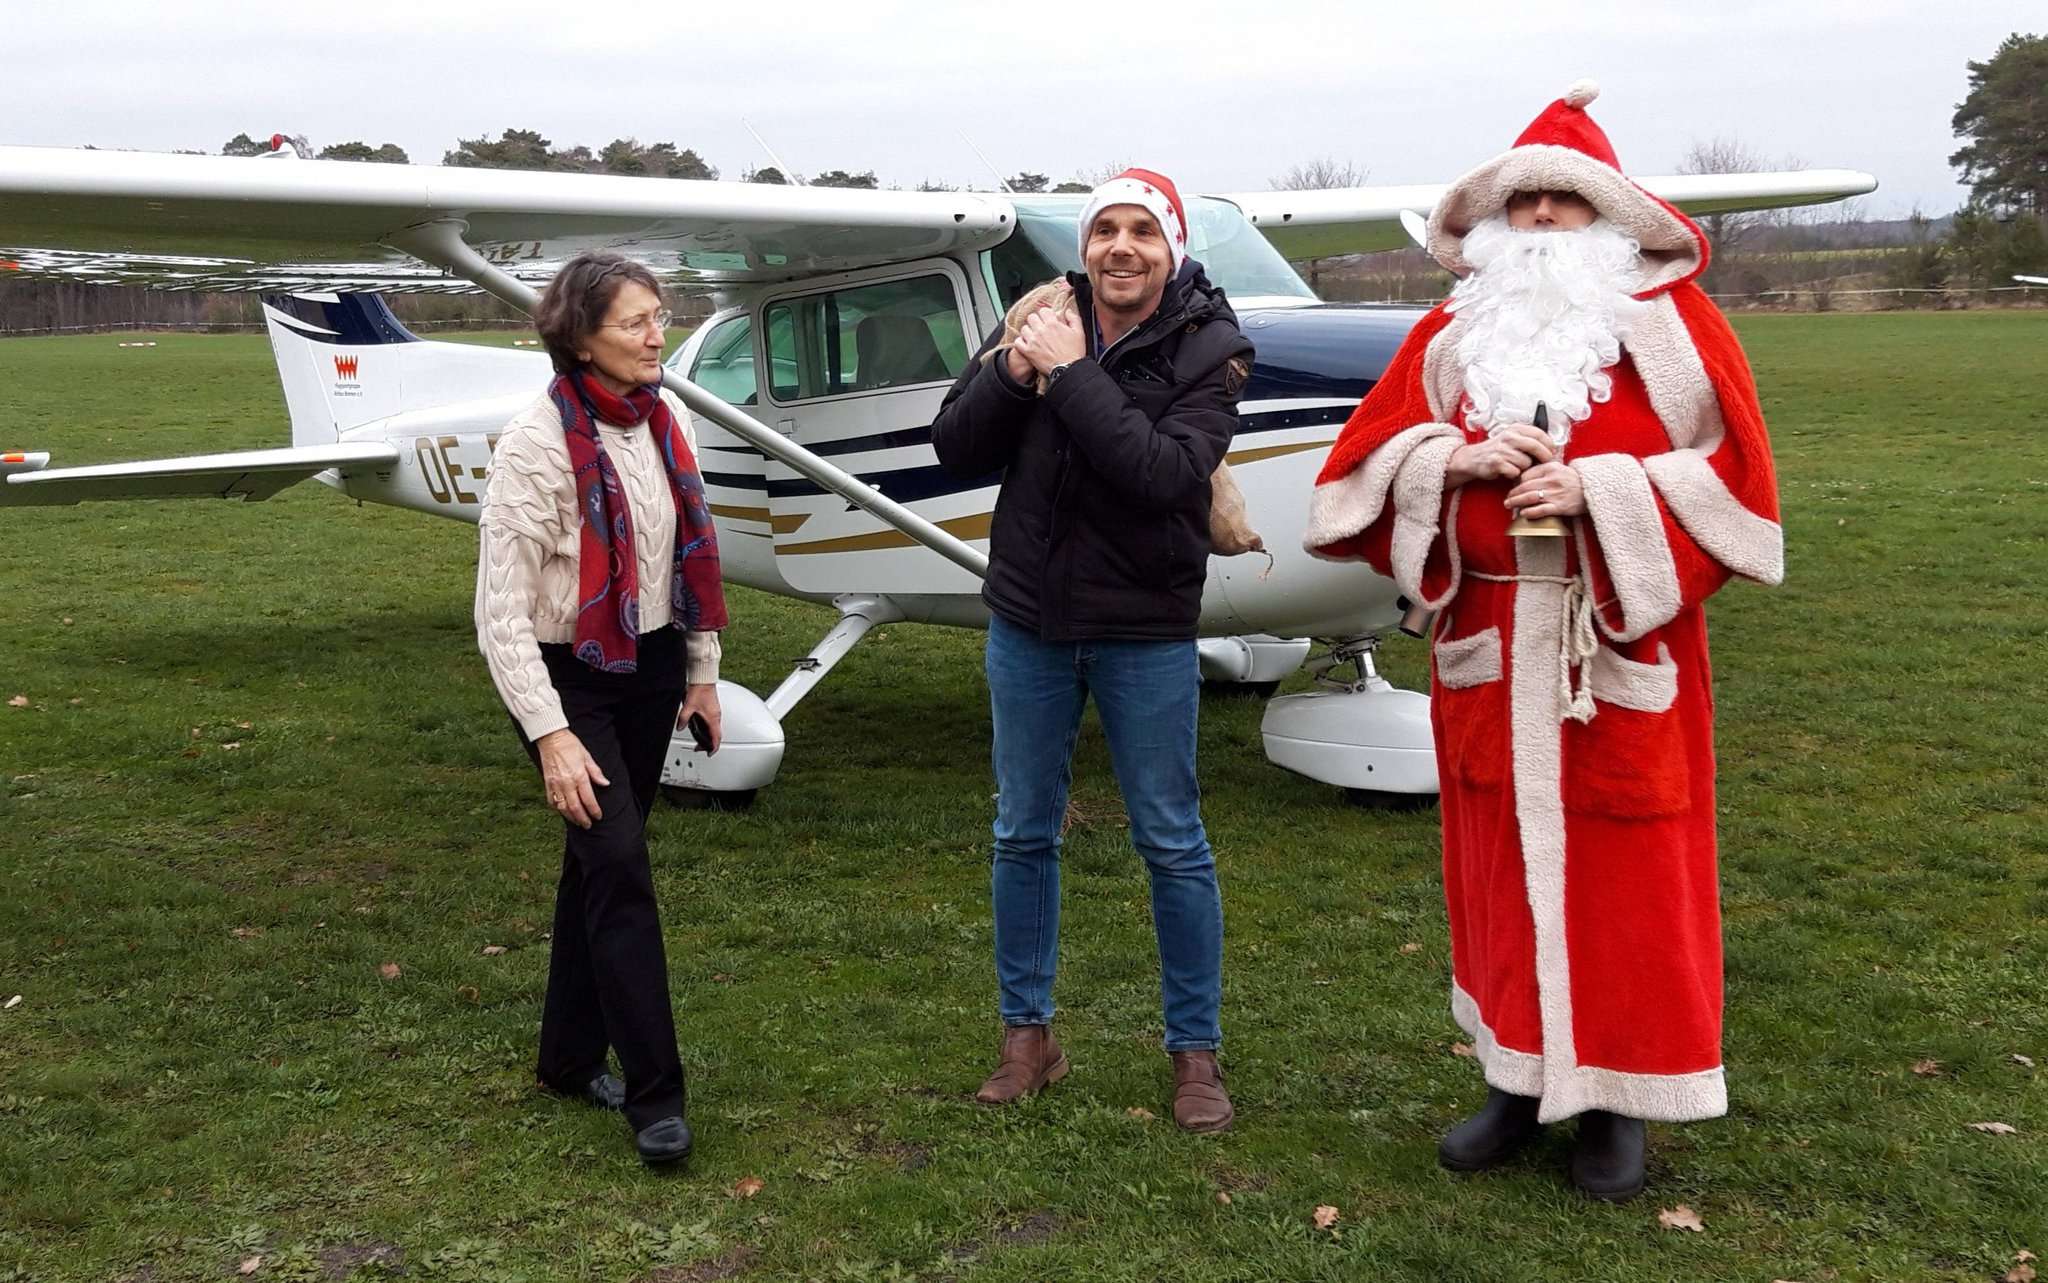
(1031, 1058)
(1199, 1102)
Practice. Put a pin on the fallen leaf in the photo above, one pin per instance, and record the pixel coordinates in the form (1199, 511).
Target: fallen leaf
(67, 619)
(1681, 1217)
(1927, 1068)
(1223, 1197)
(245, 726)
(247, 933)
(1996, 1129)
(19, 701)
(250, 1266)
(195, 732)
(1140, 1113)
(190, 752)
(1462, 1049)
(1413, 946)
(389, 971)
(1325, 1216)
(11, 1003)
(76, 702)
(723, 978)
(493, 950)
(2020, 1274)
(2028, 1061)
(2023, 1256)
(231, 745)
(469, 994)
(748, 1186)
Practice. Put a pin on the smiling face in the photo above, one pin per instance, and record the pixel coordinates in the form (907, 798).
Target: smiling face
(624, 350)
(1550, 211)
(1128, 261)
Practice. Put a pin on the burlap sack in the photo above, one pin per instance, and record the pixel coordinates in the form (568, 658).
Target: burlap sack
(1230, 527)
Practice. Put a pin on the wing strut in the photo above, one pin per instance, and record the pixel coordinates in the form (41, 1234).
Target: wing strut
(440, 242)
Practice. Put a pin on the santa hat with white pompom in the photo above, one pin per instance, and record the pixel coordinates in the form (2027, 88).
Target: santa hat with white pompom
(1564, 150)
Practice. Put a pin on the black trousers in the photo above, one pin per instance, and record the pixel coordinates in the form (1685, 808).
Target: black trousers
(607, 970)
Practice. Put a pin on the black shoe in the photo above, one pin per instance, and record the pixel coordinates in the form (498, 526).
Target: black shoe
(667, 1141)
(1488, 1138)
(1608, 1162)
(603, 1091)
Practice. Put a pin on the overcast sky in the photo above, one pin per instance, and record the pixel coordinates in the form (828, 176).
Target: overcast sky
(1222, 97)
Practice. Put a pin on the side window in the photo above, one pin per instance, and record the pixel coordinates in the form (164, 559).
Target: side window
(866, 338)
(725, 364)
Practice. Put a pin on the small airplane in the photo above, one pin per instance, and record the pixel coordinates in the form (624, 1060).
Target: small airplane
(842, 318)
(2031, 280)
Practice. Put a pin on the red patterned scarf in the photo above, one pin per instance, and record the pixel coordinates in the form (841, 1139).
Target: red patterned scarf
(607, 576)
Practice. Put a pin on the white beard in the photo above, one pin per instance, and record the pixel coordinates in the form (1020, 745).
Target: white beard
(1545, 316)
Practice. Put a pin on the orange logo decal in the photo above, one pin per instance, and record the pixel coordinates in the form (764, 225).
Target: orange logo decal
(345, 367)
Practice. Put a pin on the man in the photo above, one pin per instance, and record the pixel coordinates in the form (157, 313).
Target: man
(1097, 555)
(1571, 701)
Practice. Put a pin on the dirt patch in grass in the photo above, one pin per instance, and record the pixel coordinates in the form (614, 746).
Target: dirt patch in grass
(344, 1259)
(728, 1264)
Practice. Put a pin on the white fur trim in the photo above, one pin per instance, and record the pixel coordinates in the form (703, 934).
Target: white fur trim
(1569, 1088)
(1469, 661)
(1746, 542)
(1680, 391)
(1581, 93)
(1520, 1072)
(1418, 517)
(1629, 683)
(1341, 508)
(1624, 513)
(1443, 379)
(1672, 250)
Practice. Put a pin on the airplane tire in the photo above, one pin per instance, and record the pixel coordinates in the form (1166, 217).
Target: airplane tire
(709, 800)
(1381, 800)
(1240, 690)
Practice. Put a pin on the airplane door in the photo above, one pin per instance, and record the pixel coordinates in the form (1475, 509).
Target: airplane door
(855, 373)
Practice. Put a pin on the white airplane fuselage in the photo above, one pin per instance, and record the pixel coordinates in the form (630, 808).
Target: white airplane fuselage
(781, 534)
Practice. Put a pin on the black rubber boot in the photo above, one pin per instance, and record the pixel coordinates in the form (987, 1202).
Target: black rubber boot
(1608, 1161)
(1504, 1124)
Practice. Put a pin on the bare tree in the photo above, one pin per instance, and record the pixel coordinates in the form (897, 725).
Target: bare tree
(1318, 174)
(1727, 232)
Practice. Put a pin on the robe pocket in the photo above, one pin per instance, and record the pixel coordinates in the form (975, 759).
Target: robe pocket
(1628, 683)
(1472, 709)
(1463, 662)
(1629, 762)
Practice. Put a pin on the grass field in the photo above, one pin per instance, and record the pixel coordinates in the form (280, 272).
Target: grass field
(259, 759)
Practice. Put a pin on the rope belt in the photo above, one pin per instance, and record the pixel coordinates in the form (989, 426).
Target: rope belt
(1576, 639)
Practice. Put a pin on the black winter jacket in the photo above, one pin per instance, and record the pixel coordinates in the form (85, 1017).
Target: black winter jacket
(1101, 528)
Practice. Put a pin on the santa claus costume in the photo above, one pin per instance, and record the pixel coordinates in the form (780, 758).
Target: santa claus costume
(1571, 695)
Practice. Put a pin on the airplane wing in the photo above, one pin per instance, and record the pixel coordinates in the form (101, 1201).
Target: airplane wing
(1359, 220)
(222, 223)
(245, 474)
(2032, 280)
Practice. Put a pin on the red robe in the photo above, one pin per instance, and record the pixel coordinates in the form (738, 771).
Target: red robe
(1579, 862)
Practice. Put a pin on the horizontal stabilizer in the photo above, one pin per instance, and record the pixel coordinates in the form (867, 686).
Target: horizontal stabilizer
(243, 474)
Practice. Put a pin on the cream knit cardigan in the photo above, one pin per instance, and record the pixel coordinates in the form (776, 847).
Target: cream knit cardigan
(530, 538)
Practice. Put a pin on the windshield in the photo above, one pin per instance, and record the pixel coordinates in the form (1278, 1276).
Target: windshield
(1236, 256)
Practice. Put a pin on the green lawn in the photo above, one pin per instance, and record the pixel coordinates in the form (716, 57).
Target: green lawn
(259, 759)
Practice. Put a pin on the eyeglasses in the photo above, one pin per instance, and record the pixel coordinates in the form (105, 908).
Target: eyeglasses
(638, 325)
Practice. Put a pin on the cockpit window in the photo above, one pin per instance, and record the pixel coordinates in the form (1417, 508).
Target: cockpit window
(1235, 254)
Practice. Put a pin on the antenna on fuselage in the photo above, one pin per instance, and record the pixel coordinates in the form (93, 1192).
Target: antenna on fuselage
(789, 174)
(1001, 182)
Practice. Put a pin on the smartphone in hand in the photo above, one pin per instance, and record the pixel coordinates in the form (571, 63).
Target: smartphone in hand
(700, 731)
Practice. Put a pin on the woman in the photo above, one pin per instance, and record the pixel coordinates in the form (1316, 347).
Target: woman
(598, 606)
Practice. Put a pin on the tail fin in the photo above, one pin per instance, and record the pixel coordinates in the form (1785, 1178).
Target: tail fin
(346, 360)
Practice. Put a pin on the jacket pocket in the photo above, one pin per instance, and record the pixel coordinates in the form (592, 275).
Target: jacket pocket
(1472, 713)
(1463, 662)
(1629, 762)
(1628, 683)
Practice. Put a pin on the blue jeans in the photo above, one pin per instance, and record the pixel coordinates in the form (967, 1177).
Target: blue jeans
(1148, 695)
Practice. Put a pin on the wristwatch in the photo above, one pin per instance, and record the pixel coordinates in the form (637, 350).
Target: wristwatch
(1052, 376)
